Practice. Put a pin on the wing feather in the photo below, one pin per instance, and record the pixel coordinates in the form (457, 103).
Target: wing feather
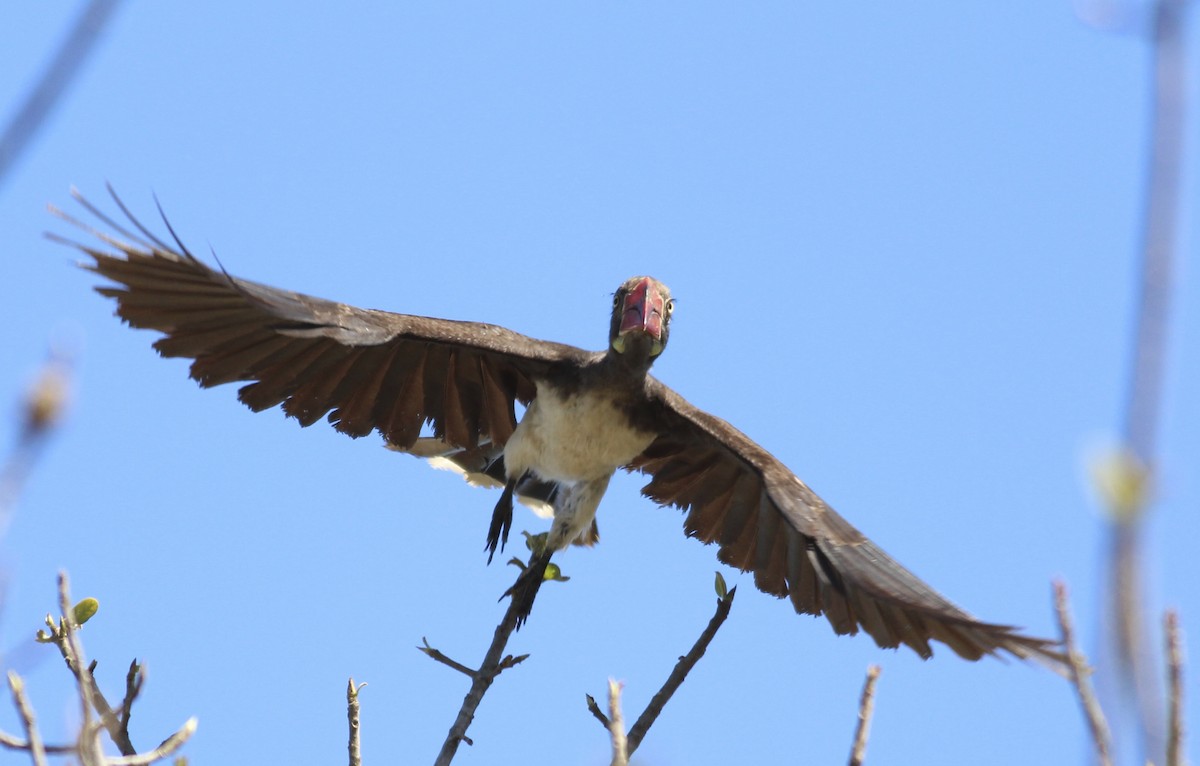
(766, 520)
(403, 424)
(368, 370)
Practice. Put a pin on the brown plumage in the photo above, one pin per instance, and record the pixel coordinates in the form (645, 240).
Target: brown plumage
(367, 370)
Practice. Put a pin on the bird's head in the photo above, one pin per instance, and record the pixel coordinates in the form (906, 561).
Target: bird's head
(641, 318)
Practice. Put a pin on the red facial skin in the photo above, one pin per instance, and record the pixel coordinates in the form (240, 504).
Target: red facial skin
(643, 310)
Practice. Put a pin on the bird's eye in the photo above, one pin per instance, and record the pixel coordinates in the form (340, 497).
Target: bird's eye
(670, 306)
(616, 300)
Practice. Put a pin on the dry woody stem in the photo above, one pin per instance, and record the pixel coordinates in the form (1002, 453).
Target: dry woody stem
(866, 707)
(1080, 671)
(64, 634)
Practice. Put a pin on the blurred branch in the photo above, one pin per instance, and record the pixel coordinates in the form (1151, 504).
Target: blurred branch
(866, 706)
(1134, 660)
(1079, 678)
(165, 750)
(1174, 643)
(37, 750)
(1159, 225)
(41, 412)
(67, 62)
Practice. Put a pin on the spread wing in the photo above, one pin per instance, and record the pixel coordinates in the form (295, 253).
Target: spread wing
(369, 370)
(766, 520)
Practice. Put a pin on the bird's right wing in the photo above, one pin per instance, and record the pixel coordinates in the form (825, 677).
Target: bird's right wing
(369, 370)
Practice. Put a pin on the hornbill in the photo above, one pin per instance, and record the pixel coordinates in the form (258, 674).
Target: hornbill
(587, 414)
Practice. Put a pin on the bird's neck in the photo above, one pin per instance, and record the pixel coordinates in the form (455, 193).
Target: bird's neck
(630, 366)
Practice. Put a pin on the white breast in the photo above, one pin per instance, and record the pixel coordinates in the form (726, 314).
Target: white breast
(576, 438)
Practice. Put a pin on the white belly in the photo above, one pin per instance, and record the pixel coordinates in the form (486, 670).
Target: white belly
(572, 439)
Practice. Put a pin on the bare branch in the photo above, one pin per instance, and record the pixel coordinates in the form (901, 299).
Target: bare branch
(616, 725)
(133, 687)
(1174, 641)
(866, 706)
(436, 654)
(16, 743)
(352, 714)
(1079, 678)
(62, 633)
(166, 749)
(493, 663)
(37, 750)
(595, 710)
(117, 725)
(682, 668)
(90, 750)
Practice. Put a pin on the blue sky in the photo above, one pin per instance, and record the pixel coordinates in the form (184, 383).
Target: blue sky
(901, 238)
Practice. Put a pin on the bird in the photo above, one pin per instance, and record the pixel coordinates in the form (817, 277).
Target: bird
(448, 391)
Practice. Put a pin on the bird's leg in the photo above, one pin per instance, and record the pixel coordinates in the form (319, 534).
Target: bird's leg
(502, 518)
(575, 513)
(525, 589)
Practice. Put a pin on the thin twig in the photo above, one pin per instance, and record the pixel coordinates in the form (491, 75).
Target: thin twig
(16, 743)
(866, 706)
(616, 725)
(679, 673)
(1079, 678)
(117, 725)
(37, 750)
(62, 634)
(1174, 643)
(166, 749)
(481, 679)
(66, 63)
(595, 710)
(133, 687)
(436, 654)
(352, 714)
(89, 741)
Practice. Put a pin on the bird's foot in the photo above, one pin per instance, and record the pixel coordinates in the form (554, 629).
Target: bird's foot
(525, 589)
(502, 518)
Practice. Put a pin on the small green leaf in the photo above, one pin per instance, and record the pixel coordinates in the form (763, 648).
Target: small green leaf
(722, 589)
(85, 610)
(554, 572)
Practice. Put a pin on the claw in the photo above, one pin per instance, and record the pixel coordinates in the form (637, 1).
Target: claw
(502, 518)
(525, 589)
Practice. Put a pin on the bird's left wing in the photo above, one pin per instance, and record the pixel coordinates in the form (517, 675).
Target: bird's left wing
(369, 370)
(765, 519)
